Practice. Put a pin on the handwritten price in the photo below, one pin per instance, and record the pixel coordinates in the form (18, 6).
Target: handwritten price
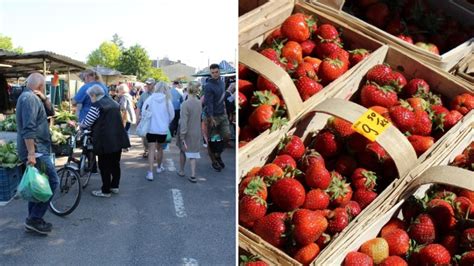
(371, 125)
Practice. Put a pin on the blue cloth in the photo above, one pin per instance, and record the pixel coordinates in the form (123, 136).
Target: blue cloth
(36, 210)
(84, 99)
(214, 94)
(32, 123)
(177, 98)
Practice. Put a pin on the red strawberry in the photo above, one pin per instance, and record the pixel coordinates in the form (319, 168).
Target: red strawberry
(247, 133)
(274, 37)
(358, 55)
(378, 14)
(364, 179)
(307, 87)
(376, 248)
(467, 259)
(293, 52)
(451, 243)
(308, 47)
(287, 194)
(420, 143)
(423, 229)
(402, 118)
(352, 208)
(243, 102)
(252, 261)
(265, 117)
(397, 80)
(245, 73)
(451, 119)
(423, 124)
(265, 97)
(378, 73)
(338, 220)
(394, 223)
(467, 193)
(411, 209)
(316, 199)
(305, 70)
(324, 49)
(375, 95)
(307, 254)
(251, 208)
(246, 87)
(417, 104)
(326, 144)
(311, 157)
(339, 191)
(434, 254)
(270, 173)
(323, 240)
(393, 261)
(467, 239)
(345, 165)
(264, 84)
(271, 54)
(317, 176)
(308, 226)
(327, 32)
(398, 242)
(357, 143)
(443, 214)
(428, 47)
(331, 69)
(284, 161)
(463, 207)
(315, 62)
(293, 146)
(271, 228)
(406, 38)
(364, 197)
(253, 186)
(416, 86)
(340, 127)
(463, 103)
(381, 111)
(355, 258)
(295, 28)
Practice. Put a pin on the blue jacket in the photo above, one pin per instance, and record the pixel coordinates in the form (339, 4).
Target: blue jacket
(32, 123)
(214, 95)
(177, 98)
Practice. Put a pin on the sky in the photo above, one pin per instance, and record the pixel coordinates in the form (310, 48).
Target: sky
(187, 30)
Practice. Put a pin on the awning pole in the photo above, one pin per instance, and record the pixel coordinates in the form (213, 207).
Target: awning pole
(69, 87)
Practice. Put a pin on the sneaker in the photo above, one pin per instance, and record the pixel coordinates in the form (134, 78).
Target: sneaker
(38, 225)
(149, 176)
(204, 145)
(114, 190)
(216, 167)
(99, 193)
(220, 162)
(160, 169)
(192, 179)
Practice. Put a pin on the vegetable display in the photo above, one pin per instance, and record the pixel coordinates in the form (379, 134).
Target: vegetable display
(8, 155)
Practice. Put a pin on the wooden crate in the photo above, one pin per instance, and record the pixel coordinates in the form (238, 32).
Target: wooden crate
(444, 61)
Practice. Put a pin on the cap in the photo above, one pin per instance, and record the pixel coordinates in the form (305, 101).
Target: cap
(150, 81)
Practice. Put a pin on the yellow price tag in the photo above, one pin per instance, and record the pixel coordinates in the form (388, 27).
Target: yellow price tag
(371, 125)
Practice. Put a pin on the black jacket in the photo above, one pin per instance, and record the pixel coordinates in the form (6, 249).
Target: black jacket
(108, 133)
(214, 97)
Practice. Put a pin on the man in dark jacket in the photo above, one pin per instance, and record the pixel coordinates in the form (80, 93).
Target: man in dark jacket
(108, 138)
(34, 144)
(218, 122)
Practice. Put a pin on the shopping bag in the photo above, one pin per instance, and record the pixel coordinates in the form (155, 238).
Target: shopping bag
(144, 125)
(168, 137)
(34, 186)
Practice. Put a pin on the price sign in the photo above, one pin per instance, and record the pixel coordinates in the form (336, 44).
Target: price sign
(371, 125)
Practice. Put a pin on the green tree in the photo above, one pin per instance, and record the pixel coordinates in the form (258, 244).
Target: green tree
(7, 44)
(107, 55)
(135, 61)
(157, 74)
(118, 41)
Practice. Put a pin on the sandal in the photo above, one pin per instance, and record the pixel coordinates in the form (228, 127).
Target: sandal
(180, 174)
(192, 179)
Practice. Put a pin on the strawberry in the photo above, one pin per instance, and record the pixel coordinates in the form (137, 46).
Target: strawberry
(406, 38)
(325, 48)
(307, 87)
(308, 226)
(423, 124)
(243, 102)
(372, 94)
(323, 240)
(295, 28)
(467, 193)
(252, 261)
(253, 172)
(428, 47)
(402, 118)
(305, 70)
(396, 80)
(467, 239)
(317, 176)
(246, 87)
(265, 97)
(463, 207)
(247, 133)
(326, 32)
(434, 254)
(443, 214)
(415, 86)
(339, 191)
(467, 259)
(293, 146)
(420, 143)
(357, 143)
(355, 258)
(245, 73)
(394, 261)
(338, 220)
(451, 119)
(253, 186)
(331, 69)
(316, 199)
(315, 62)
(364, 179)
(398, 242)
(271, 54)
(423, 229)
(285, 161)
(251, 208)
(327, 144)
(411, 209)
(264, 84)
(274, 37)
(463, 103)
(308, 47)
(364, 197)
(381, 111)
(379, 73)
(265, 117)
(357, 55)
(293, 52)
(307, 254)
(311, 157)
(287, 194)
(340, 127)
(352, 208)
(451, 243)
(345, 165)
(376, 248)
(394, 223)
(270, 173)
(272, 228)
(438, 114)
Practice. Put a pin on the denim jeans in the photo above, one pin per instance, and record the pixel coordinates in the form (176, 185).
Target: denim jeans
(36, 210)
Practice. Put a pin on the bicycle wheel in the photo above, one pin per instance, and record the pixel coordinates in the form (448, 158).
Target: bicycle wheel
(85, 168)
(68, 194)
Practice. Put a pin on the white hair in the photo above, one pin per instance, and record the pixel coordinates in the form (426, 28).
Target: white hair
(95, 90)
(123, 87)
(164, 88)
(34, 80)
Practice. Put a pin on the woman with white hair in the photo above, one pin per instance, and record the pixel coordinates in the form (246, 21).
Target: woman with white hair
(126, 106)
(108, 138)
(161, 108)
(189, 130)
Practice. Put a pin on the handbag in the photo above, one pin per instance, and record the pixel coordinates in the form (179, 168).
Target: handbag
(144, 126)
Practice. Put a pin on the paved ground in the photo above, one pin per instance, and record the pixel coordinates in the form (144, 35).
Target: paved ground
(169, 221)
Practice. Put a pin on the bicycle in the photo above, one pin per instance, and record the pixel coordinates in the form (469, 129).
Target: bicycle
(73, 176)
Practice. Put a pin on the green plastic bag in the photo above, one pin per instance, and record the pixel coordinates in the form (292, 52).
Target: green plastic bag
(168, 137)
(34, 186)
